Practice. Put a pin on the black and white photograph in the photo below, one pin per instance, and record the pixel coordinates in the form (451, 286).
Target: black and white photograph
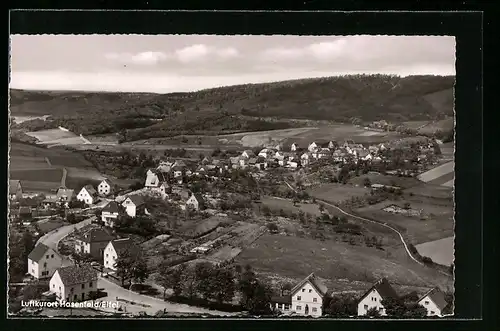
(231, 176)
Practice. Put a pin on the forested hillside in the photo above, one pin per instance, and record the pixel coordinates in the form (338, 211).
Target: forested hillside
(212, 111)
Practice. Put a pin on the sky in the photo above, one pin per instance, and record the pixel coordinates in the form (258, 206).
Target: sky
(183, 63)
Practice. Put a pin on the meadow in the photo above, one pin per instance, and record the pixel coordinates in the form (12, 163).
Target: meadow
(440, 251)
(337, 193)
(276, 204)
(438, 172)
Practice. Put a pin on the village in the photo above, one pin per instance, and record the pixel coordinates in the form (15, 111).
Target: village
(203, 213)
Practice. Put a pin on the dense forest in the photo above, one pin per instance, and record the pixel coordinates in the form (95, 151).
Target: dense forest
(230, 109)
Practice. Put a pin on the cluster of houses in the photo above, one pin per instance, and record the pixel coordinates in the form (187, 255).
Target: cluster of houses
(76, 282)
(307, 297)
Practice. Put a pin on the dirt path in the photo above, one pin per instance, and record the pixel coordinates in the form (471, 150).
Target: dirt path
(63, 179)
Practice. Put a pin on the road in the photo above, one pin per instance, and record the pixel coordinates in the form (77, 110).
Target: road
(147, 304)
(52, 238)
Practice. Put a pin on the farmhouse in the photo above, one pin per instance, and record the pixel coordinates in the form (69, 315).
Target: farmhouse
(110, 213)
(74, 283)
(266, 152)
(134, 205)
(165, 166)
(65, 195)
(381, 290)
(105, 187)
(294, 147)
(43, 261)
(306, 298)
(313, 147)
(117, 248)
(88, 195)
(152, 178)
(196, 202)
(93, 242)
(434, 302)
(15, 189)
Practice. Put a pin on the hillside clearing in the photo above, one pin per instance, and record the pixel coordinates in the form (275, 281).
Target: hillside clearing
(287, 205)
(440, 251)
(337, 193)
(437, 172)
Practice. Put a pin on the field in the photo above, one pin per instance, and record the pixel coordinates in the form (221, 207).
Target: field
(427, 190)
(45, 175)
(440, 251)
(335, 261)
(287, 205)
(51, 135)
(434, 222)
(403, 182)
(438, 172)
(442, 125)
(336, 193)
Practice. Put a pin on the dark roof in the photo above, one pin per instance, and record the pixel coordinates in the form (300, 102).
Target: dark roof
(65, 192)
(38, 252)
(24, 210)
(74, 274)
(112, 207)
(315, 282)
(437, 297)
(138, 200)
(286, 299)
(125, 244)
(199, 198)
(96, 235)
(179, 163)
(383, 288)
(107, 180)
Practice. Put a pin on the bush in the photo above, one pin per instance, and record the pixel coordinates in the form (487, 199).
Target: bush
(427, 260)
(198, 302)
(349, 228)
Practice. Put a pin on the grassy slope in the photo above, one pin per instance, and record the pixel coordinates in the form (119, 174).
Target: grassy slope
(333, 98)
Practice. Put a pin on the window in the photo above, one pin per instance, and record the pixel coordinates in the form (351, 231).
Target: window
(52, 256)
(53, 285)
(303, 290)
(299, 297)
(72, 289)
(90, 285)
(287, 306)
(314, 309)
(310, 290)
(59, 288)
(374, 299)
(106, 256)
(366, 307)
(427, 302)
(46, 256)
(299, 308)
(315, 300)
(432, 312)
(83, 286)
(32, 271)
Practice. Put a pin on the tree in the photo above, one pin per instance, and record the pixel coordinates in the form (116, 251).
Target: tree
(32, 291)
(285, 287)
(394, 307)
(139, 271)
(223, 285)
(321, 208)
(124, 265)
(272, 227)
(296, 201)
(414, 311)
(373, 312)
(367, 182)
(343, 305)
(204, 274)
(81, 258)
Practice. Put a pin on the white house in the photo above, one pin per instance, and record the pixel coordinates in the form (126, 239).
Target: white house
(293, 147)
(195, 201)
(248, 154)
(93, 242)
(64, 196)
(15, 189)
(43, 261)
(305, 159)
(105, 187)
(117, 247)
(74, 283)
(332, 144)
(88, 195)
(152, 178)
(434, 302)
(305, 299)
(265, 153)
(381, 290)
(165, 166)
(110, 213)
(312, 147)
(134, 205)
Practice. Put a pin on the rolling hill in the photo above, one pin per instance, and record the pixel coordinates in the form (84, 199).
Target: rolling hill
(239, 108)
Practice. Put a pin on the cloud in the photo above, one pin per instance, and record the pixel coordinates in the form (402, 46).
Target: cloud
(143, 58)
(227, 53)
(327, 50)
(199, 52)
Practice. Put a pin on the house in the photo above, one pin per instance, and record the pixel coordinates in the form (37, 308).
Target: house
(74, 283)
(43, 261)
(110, 213)
(261, 163)
(373, 298)
(152, 178)
(87, 194)
(179, 163)
(117, 248)
(165, 189)
(25, 213)
(134, 205)
(305, 159)
(312, 147)
(207, 160)
(64, 195)
(179, 171)
(266, 152)
(332, 144)
(165, 166)
(201, 170)
(293, 163)
(242, 162)
(306, 298)
(279, 155)
(105, 187)
(248, 154)
(252, 161)
(195, 201)
(15, 189)
(434, 301)
(294, 147)
(322, 153)
(93, 242)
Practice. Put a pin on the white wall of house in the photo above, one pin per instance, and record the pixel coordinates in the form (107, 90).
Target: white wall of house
(71, 293)
(432, 308)
(110, 257)
(307, 296)
(82, 247)
(373, 299)
(84, 196)
(108, 218)
(104, 188)
(130, 207)
(152, 180)
(47, 265)
(193, 203)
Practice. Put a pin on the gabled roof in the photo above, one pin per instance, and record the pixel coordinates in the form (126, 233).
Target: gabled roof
(286, 299)
(108, 181)
(111, 207)
(74, 275)
(136, 199)
(179, 163)
(38, 252)
(199, 198)
(154, 171)
(252, 160)
(383, 288)
(178, 168)
(249, 152)
(125, 244)
(437, 297)
(314, 281)
(14, 183)
(90, 189)
(96, 235)
(65, 192)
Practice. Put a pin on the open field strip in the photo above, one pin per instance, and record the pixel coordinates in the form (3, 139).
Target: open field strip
(440, 251)
(451, 183)
(51, 134)
(437, 172)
